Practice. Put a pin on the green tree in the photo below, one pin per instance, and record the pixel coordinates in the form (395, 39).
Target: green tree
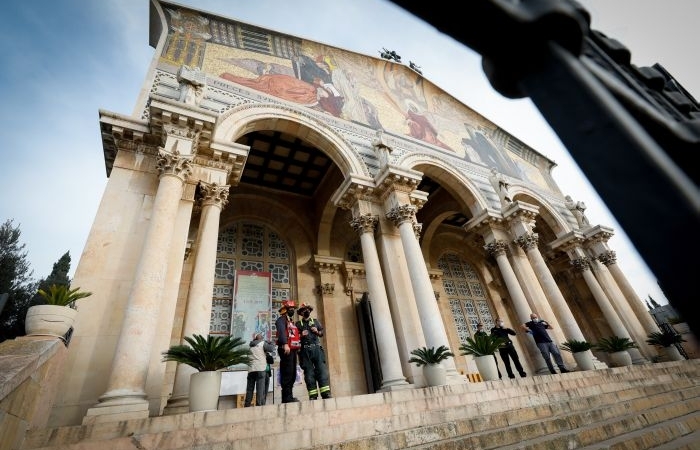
(15, 280)
(58, 276)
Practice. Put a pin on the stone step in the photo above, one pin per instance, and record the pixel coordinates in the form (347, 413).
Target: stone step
(355, 419)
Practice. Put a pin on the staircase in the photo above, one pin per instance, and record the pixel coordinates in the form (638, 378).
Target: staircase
(652, 406)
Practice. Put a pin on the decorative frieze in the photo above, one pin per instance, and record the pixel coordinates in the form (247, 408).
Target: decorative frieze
(326, 288)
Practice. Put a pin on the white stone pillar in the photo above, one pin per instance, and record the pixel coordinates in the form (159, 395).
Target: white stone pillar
(609, 259)
(199, 299)
(126, 386)
(403, 218)
(392, 374)
(583, 265)
(565, 317)
(497, 249)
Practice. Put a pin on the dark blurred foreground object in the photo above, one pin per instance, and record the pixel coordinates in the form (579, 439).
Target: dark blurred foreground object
(634, 132)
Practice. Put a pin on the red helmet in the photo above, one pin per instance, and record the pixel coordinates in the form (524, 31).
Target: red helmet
(286, 304)
(304, 306)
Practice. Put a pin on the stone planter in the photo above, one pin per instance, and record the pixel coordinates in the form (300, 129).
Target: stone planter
(204, 390)
(487, 367)
(620, 359)
(584, 360)
(671, 353)
(49, 320)
(434, 374)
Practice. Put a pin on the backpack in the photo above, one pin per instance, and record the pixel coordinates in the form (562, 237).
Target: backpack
(293, 337)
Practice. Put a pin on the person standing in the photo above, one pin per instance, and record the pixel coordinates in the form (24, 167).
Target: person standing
(480, 332)
(508, 351)
(287, 347)
(257, 371)
(547, 347)
(312, 358)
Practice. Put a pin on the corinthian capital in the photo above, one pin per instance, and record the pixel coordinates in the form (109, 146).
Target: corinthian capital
(364, 223)
(214, 194)
(527, 241)
(174, 164)
(402, 214)
(608, 258)
(581, 264)
(496, 248)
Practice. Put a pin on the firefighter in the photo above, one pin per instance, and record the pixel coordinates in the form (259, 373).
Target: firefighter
(287, 338)
(312, 359)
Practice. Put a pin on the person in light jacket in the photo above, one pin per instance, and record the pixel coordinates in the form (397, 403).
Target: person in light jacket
(257, 371)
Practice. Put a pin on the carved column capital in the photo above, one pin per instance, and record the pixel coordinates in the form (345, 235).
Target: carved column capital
(214, 194)
(364, 223)
(326, 288)
(402, 214)
(417, 229)
(174, 164)
(581, 264)
(527, 241)
(496, 248)
(608, 258)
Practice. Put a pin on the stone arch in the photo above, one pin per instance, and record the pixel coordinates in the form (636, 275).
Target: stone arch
(461, 187)
(247, 118)
(549, 214)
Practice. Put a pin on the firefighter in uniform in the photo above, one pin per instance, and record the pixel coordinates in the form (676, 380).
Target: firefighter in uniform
(288, 356)
(312, 359)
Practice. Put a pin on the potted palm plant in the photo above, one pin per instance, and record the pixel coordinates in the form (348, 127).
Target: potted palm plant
(483, 348)
(581, 353)
(430, 358)
(617, 348)
(57, 315)
(667, 341)
(208, 356)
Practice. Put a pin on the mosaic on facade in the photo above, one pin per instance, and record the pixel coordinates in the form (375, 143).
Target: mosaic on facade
(368, 91)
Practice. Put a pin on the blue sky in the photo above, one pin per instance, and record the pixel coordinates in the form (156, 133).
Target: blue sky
(65, 60)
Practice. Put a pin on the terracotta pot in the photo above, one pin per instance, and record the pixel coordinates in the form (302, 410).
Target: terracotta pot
(434, 374)
(49, 320)
(487, 367)
(204, 391)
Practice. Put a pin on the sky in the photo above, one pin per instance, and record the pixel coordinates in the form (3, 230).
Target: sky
(65, 60)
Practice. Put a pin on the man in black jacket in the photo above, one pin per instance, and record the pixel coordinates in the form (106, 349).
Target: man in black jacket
(508, 351)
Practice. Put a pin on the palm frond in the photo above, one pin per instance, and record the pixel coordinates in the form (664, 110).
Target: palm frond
(574, 346)
(614, 344)
(482, 345)
(430, 355)
(62, 295)
(210, 353)
(664, 338)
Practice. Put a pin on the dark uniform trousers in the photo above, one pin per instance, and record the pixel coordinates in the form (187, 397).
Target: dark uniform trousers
(312, 360)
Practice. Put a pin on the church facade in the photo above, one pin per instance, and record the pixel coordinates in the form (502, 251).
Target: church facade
(260, 167)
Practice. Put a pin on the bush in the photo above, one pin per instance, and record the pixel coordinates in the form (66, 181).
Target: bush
(664, 338)
(482, 345)
(574, 346)
(614, 344)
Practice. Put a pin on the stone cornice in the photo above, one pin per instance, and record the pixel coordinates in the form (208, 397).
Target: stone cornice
(393, 178)
(568, 241)
(486, 218)
(521, 210)
(599, 233)
(327, 264)
(169, 116)
(353, 189)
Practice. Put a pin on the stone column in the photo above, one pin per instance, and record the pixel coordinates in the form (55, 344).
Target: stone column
(571, 330)
(609, 259)
(199, 299)
(497, 249)
(583, 266)
(126, 386)
(330, 313)
(392, 374)
(403, 218)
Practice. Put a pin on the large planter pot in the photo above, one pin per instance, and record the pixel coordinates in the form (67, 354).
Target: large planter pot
(204, 390)
(620, 359)
(671, 353)
(487, 367)
(584, 360)
(434, 374)
(49, 320)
